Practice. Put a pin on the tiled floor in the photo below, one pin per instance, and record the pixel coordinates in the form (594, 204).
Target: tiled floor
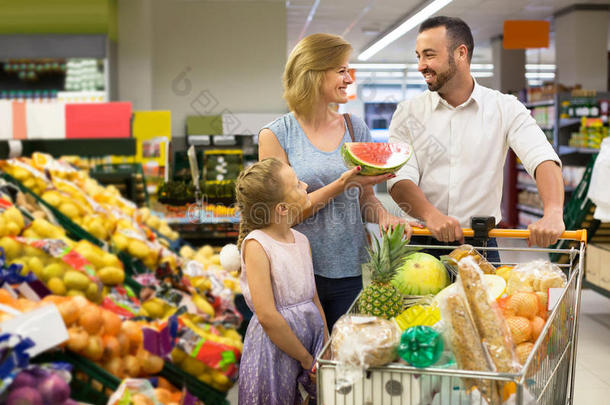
(593, 357)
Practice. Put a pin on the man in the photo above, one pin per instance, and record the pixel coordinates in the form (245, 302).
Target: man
(461, 132)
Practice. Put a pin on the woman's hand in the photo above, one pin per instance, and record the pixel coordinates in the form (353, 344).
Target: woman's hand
(352, 178)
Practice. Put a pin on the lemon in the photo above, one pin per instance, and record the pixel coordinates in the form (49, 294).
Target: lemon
(75, 280)
(138, 249)
(111, 275)
(35, 265)
(14, 215)
(178, 356)
(120, 241)
(13, 229)
(93, 292)
(74, 293)
(68, 209)
(154, 308)
(205, 378)
(52, 270)
(12, 248)
(192, 366)
(57, 286)
(207, 251)
(52, 197)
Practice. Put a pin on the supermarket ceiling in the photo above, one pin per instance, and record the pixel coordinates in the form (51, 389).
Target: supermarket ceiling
(363, 21)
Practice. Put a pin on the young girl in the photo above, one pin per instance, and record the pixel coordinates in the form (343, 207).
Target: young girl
(288, 328)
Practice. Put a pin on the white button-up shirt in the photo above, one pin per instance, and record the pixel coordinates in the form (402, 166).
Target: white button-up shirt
(459, 152)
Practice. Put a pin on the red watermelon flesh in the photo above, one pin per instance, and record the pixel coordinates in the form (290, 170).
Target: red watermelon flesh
(376, 158)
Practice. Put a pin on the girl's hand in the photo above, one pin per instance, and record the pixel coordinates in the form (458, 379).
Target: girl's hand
(308, 362)
(352, 178)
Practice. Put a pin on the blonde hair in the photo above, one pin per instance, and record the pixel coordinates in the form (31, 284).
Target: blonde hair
(304, 71)
(258, 190)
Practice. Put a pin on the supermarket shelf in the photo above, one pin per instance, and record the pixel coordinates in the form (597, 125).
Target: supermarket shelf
(566, 150)
(530, 210)
(541, 103)
(596, 288)
(528, 187)
(547, 127)
(62, 147)
(566, 122)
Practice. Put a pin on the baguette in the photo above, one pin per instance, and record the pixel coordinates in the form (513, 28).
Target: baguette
(487, 318)
(468, 250)
(467, 348)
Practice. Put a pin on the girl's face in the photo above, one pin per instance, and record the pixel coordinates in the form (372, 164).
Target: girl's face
(336, 80)
(295, 191)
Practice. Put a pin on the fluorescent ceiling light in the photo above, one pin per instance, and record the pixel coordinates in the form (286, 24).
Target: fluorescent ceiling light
(539, 75)
(539, 66)
(482, 74)
(379, 74)
(378, 66)
(403, 28)
(481, 66)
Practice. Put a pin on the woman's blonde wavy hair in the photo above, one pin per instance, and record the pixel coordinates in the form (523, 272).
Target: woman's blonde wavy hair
(258, 190)
(304, 71)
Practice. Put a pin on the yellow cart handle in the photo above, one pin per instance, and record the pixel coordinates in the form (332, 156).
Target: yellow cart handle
(580, 235)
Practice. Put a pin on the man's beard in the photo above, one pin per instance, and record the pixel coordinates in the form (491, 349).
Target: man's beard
(444, 77)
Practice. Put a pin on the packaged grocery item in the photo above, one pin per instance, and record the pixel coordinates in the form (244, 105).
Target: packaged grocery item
(359, 342)
(468, 250)
(465, 342)
(535, 276)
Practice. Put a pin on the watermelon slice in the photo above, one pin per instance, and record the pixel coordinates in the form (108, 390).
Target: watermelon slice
(376, 158)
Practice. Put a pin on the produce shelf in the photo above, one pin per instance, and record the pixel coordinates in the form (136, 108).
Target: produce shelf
(541, 103)
(566, 150)
(63, 147)
(179, 378)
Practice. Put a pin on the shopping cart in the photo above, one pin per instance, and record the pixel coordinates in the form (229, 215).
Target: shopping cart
(547, 376)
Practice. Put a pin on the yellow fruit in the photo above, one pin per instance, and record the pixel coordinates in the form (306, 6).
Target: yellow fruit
(205, 378)
(14, 215)
(3, 230)
(36, 266)
(187, 252)
(523, 304)
(120, 241)
(52, 198)
(54, 269)
(75, 293)
(57, 286)
(220, 379)
(75, 280)
(138, 249)
(13, 229)
(207, 251)
(215, 259)
(93, 292)
(153, 222)
(30, 183)
(203, 305)
(12, 248)
(46, 229)
(91, 253)
(154, 308)
(178, 356)
(21, 174)
(192, 366)
(111, 275)
(110, 260)
(69, 209)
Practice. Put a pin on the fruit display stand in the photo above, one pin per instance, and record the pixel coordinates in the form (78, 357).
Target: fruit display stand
(134, 265)
(546, 374)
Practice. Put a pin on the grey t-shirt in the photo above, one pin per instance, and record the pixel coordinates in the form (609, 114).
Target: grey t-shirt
(336, 233)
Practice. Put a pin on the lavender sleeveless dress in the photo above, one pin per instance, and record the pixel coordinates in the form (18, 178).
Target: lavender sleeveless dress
(267, 375)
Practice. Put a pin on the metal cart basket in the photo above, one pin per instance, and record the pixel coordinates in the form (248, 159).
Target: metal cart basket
(547, 376)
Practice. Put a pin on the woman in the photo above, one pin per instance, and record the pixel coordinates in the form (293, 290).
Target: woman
(309, 138)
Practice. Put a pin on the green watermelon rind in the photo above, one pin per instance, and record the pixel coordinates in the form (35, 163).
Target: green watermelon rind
(369, 169)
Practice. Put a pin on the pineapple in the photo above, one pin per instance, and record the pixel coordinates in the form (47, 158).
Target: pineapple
(381, 298)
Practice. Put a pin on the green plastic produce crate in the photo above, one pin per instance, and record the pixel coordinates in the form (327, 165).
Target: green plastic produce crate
(204, 392)
(90, 383)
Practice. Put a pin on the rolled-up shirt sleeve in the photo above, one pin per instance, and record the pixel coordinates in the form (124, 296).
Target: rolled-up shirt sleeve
(400, 133)
(527, 139)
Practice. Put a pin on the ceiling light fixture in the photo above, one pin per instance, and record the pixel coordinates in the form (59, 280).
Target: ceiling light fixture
(403, 28)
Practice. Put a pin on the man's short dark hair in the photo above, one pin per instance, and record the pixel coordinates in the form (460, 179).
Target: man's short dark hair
(457, 30)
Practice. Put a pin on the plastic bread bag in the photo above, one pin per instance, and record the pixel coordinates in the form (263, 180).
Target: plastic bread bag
(462, 336)
(535, 276)
(361, 341)
(489, 321)
(468, 250)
